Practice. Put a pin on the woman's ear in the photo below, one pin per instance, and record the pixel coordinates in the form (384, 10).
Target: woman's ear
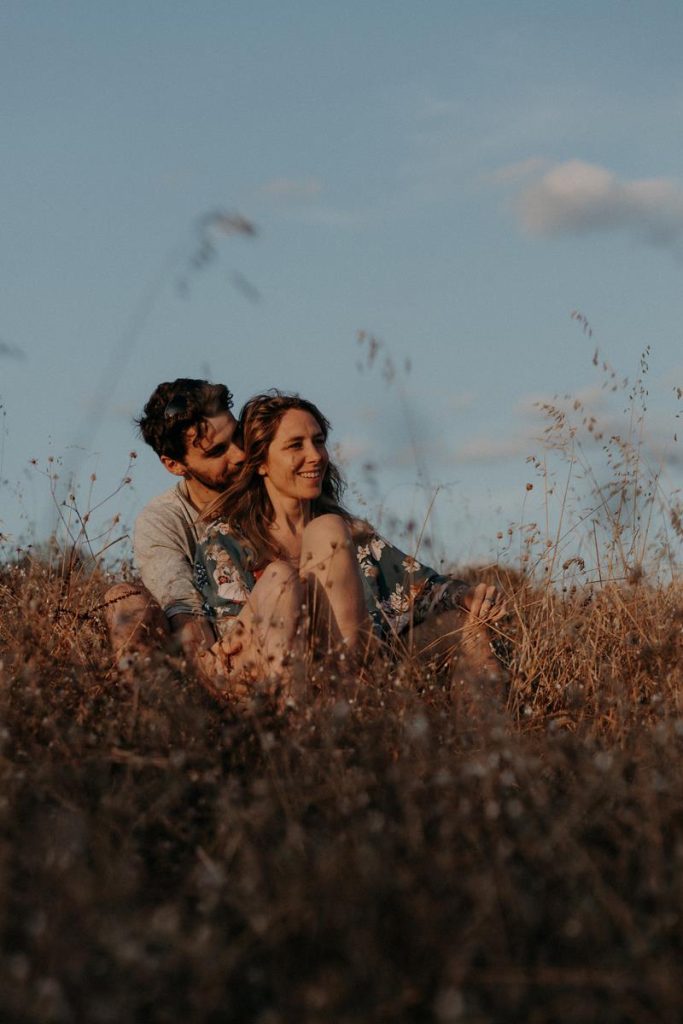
(262, 471)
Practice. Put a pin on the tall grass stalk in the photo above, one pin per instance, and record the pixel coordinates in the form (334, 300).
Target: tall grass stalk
(390, 852)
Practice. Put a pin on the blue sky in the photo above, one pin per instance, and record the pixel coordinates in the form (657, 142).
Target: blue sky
(454, 178)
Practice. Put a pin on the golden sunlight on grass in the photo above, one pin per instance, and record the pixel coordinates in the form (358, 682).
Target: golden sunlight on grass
(401, 850)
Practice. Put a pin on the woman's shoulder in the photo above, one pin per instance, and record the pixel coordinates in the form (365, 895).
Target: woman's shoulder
(362, 531)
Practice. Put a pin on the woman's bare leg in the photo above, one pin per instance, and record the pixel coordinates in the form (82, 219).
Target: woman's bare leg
(461, 637)
(330, 567)
(484, 608)
(266, 636)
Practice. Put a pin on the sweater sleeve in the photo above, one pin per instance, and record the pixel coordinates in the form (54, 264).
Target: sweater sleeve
(164, 557)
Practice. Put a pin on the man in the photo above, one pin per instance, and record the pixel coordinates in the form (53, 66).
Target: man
(190, 426)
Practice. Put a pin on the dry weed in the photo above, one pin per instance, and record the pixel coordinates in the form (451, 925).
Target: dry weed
(388, 854)
(375, 857)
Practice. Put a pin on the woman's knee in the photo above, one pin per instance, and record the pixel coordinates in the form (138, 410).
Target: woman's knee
(277, 578)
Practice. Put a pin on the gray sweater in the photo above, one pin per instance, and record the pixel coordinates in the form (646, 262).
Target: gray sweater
(164, 544)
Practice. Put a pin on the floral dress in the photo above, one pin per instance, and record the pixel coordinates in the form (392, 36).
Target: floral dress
(399, 590)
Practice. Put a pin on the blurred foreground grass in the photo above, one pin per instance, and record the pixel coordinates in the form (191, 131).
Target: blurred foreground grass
(383, 856)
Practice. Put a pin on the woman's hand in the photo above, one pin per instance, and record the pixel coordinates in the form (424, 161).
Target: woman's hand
(485, 602)
(215, 665)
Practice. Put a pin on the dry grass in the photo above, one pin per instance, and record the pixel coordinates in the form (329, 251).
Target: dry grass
(387, 855)
(381, 858)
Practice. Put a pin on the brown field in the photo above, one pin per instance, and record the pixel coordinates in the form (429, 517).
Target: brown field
(387, 853)
(400, 848)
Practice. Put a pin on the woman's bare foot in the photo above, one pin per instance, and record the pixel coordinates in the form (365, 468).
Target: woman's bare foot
(484, 607)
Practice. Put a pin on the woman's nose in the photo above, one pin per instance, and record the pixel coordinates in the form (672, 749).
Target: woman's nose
(313, 454)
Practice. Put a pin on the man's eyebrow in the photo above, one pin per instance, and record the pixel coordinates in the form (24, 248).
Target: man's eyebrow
(216, 448)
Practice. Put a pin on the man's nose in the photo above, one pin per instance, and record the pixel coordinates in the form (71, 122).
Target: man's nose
(235, 455)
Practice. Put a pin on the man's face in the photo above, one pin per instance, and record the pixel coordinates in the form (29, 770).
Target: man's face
(210, 460)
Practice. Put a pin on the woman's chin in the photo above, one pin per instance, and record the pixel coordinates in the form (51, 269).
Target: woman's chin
(310, 492)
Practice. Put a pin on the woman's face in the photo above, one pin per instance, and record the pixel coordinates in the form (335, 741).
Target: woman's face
(297, 458)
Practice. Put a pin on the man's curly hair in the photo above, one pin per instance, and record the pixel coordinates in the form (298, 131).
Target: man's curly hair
(174, 407)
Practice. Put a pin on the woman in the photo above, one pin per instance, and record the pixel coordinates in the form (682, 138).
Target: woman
(281, 541)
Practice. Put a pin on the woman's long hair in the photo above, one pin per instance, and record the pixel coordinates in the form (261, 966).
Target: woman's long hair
(245, 504)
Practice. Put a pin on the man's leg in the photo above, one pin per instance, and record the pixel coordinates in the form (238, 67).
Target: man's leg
(137, 627)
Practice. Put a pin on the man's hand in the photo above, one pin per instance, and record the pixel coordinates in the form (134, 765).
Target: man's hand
(214, 668)
(227, 648)
(197, 639)
(230, 676)
(192, 632)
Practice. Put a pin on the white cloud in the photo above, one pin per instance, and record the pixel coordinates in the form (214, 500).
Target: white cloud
(658, 443)
(587, 408)
(577, 197)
